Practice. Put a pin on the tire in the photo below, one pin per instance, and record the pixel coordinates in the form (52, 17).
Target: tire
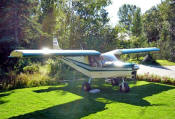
(114, 82)
(86, 86)
(125, 89)
(134, 75)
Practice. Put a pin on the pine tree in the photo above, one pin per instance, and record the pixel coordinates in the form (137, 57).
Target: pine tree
(136, 27)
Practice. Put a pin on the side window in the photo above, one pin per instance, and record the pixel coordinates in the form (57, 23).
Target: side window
(92, 61)
(95, 61)
(98, 61)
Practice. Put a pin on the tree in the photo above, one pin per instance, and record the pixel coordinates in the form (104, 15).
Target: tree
(167, 32)
(136, 27)
(152, 24)
(126, 14)
(159, 28)
(16, 24)
(90, 19)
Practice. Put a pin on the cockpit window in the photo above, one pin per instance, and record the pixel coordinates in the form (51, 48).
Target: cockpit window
(100, 61)
(108, 58)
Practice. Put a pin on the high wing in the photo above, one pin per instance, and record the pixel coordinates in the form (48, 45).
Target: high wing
(133, 50)
(52, 52)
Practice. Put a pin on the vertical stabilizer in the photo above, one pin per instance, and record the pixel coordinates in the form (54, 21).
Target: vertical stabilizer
(55, 44)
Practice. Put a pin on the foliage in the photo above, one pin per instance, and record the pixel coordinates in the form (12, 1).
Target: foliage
(58, 70)
(77, 24)
(31, 75)
(92, 19)
(31, 69)
(18, 29)
(155, 28)
(151, 23)
(165, 63)
(21, 63)
(126, 15)
(136, 27)
(158, 27)
(155, 78)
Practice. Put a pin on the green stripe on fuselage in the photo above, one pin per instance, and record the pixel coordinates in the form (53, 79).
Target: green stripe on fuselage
(89, 68)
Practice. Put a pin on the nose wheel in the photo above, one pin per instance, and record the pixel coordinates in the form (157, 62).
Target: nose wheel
(86, 86)
(124, 87)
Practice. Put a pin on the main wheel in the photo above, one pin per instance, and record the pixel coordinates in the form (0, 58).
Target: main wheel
(124, 87)
(114, 82)
(86, 86)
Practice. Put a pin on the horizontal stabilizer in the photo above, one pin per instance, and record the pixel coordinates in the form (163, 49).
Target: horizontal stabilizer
(50, 52)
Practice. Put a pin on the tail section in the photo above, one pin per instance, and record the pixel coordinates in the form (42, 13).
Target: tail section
(55, 44)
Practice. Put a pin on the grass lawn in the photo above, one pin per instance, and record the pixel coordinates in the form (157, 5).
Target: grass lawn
(146, 100)
(165, 63)
(158, 62)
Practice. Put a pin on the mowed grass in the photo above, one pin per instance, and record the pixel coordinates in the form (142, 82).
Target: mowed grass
(146, 100)
(159, 62)
(165, 63)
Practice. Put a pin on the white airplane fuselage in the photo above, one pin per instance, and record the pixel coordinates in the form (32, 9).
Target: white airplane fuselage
(111, 69)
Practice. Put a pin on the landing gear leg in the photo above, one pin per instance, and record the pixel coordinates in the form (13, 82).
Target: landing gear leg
(134, 76)
(89, 81)
(86, 85)
(124, 87)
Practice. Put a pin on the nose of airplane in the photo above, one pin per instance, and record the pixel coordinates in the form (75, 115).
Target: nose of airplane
(126, 65)
(136, 67)
(131, 65)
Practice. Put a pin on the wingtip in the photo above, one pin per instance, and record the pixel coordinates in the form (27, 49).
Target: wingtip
(15, 53)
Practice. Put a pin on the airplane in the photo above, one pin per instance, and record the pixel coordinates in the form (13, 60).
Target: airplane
(92, 63)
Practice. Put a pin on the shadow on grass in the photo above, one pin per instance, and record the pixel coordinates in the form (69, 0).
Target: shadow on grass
(2, 102)
(89, 104)
(154, 64)
(157, 66)
(3, 95)
(73, 110)
(134, 97)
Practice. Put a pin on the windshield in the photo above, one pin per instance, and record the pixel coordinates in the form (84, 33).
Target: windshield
(108, 58)
(100, 61)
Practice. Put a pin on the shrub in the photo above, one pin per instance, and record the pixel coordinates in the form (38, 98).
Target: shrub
(21, 80)
(31, 69)
(155, 78)
(21, 63)
(37, 80)
(59, 71)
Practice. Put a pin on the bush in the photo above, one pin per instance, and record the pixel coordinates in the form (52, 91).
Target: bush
(21, 63)
(59, 70)
(155, 78)
(35, 75)
(21, 81)
(31, 69)
(30, 77)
